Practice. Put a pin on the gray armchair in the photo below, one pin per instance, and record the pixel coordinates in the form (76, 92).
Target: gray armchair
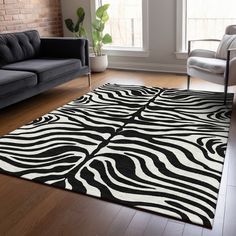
(217, 67)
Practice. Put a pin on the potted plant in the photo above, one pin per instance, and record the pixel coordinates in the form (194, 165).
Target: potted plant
(98, 60)
(77, 29)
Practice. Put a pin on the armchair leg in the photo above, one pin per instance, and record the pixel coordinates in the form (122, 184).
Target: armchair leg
(188, 81)
(225, 91)
(89, 79)
(226, 76)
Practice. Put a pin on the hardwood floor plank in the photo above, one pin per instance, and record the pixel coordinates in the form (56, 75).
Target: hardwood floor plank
(138, 224)
(97, 217)
(232, 172)
(173, 229)
(231, 150)
(104, 219)
(156, 226)
(59, 221)
(230, 212)
(217, 228)
(218, 223)
(18, 201)
(33, 218)
(87, 204)
(67, 223)
(224, 179)
(192, 230)
(86, 218)
(220, 206)
(121, 222)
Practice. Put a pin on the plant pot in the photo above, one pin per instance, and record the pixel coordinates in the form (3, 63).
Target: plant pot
(98, 63)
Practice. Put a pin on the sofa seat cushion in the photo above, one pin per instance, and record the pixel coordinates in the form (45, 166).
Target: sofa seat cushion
(211, 65)
(46, 69)
(11, 81)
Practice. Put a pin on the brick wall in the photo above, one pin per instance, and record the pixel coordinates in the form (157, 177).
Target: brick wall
(20, 15)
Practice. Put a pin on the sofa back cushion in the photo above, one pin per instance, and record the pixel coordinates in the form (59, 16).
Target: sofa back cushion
(19, 46)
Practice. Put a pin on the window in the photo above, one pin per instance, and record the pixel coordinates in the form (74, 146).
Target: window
(127, 25)
(203, 19)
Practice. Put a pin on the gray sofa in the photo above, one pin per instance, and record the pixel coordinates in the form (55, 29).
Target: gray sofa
(30, 65)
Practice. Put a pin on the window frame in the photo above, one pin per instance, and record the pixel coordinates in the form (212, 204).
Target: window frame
(181, 28)
(129, 51)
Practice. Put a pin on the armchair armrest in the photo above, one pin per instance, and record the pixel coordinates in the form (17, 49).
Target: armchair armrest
(231, 49)
(202, 53)
(195, 40)
(65, 48)
(199, 40)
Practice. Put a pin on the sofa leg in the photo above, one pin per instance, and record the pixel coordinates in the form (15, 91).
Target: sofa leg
(188, 82)
(89, 79)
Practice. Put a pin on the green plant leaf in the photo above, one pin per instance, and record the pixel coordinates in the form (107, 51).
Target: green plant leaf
(100, 11)
(96, 37)
(70, 25)
(105, 17)
(77, 35)
(77, 27)
(98, 25)
(102, 26)
(107, 39)
(98, 28)
(80, 12)
(81, 15)
(82, 32)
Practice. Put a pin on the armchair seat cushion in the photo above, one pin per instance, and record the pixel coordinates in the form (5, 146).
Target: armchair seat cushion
(211, 65)
(11, 81)
(46, 69)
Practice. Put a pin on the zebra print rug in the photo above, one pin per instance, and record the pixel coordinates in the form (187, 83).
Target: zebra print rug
(156, 149)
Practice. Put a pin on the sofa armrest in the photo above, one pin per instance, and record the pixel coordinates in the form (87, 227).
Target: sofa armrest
(62, 47)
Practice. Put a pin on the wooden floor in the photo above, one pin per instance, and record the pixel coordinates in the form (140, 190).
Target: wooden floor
(27, 208)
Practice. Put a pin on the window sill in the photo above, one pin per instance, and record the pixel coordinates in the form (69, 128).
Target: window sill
(181, 55)
(126, 52)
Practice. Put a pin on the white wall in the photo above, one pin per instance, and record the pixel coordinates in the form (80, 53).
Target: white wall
(162, 38)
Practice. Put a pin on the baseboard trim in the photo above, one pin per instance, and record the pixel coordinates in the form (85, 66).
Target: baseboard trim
(152, 67)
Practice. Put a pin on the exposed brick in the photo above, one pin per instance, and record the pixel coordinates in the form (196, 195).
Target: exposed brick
(12, 11)
(7, 17)
(43, 15)
(11, 6)
(15, 17)
(10, 1)
(2, 28)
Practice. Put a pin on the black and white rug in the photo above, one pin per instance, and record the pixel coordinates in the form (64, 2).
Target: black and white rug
(157, 149)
